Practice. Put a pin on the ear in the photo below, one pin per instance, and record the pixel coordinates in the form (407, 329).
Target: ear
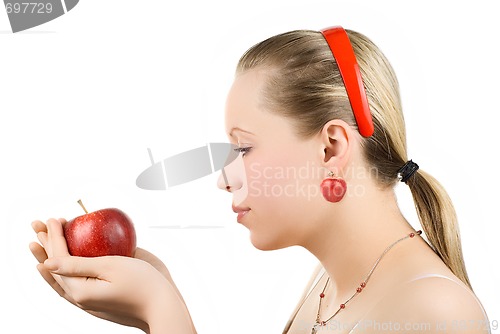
(336, 144)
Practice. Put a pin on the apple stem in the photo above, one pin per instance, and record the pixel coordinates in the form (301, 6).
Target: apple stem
(83, 207)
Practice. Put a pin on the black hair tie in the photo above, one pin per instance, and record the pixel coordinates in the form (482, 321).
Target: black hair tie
(405, 172)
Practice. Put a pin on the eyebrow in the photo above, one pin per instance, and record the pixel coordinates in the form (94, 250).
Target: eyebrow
(239, 129)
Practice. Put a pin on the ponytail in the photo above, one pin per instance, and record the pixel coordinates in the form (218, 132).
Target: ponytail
(439, 221)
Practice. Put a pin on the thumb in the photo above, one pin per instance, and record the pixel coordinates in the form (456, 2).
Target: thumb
(57, 241)
(74, 266)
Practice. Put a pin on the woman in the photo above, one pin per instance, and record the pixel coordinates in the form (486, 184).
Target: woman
(318, 121)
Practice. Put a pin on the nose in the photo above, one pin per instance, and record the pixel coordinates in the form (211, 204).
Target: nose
(222, 182)
(231, 183)
(232, 176)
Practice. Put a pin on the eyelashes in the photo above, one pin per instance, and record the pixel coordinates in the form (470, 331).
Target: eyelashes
(243, 150)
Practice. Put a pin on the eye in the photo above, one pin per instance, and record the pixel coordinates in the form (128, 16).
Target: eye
(243, 150)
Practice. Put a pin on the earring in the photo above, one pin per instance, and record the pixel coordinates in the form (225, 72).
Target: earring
(333, 188)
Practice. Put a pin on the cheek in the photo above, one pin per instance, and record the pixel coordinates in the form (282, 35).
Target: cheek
(284, 179)
(282, 190)
(269, 182)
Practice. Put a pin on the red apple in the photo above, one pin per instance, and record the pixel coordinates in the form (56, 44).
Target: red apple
(100, 233)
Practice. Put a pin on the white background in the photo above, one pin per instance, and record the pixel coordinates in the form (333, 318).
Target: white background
(84, 96)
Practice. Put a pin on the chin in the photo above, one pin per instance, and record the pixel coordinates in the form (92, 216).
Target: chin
(267, 243)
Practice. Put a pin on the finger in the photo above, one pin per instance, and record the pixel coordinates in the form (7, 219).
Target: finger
(56, 239)
(38, 251)
(38, 226)
(75, 266)
(62, 221)
(42, 237)
(44, 240)
(80, 277)
(47, 276)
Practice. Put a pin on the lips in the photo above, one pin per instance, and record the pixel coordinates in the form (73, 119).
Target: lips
(241, 211)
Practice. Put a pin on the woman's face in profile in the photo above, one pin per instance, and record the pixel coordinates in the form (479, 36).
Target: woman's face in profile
(278, 174)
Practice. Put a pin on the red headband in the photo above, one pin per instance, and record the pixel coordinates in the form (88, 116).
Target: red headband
(341, 47)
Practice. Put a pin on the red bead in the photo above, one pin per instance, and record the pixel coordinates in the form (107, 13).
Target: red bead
(363, 284)
(333, 189)
(358, 290)
(322, 295)
(342, 306)
(412, 235)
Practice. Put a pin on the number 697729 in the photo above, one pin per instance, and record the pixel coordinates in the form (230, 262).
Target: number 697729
(28, 8)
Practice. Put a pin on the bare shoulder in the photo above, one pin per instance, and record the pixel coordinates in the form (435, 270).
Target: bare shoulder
(430, 305)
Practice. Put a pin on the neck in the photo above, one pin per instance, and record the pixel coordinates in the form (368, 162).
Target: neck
(349, 246)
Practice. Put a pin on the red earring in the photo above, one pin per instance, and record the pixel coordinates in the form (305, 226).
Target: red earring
(333, 188)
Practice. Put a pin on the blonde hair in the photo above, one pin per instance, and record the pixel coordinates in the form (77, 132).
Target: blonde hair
(303, 83)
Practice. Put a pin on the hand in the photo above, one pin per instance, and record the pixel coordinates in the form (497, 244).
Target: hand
(102, 286)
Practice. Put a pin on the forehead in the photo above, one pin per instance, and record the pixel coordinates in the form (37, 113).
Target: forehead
(246, 110)
(244, 101)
